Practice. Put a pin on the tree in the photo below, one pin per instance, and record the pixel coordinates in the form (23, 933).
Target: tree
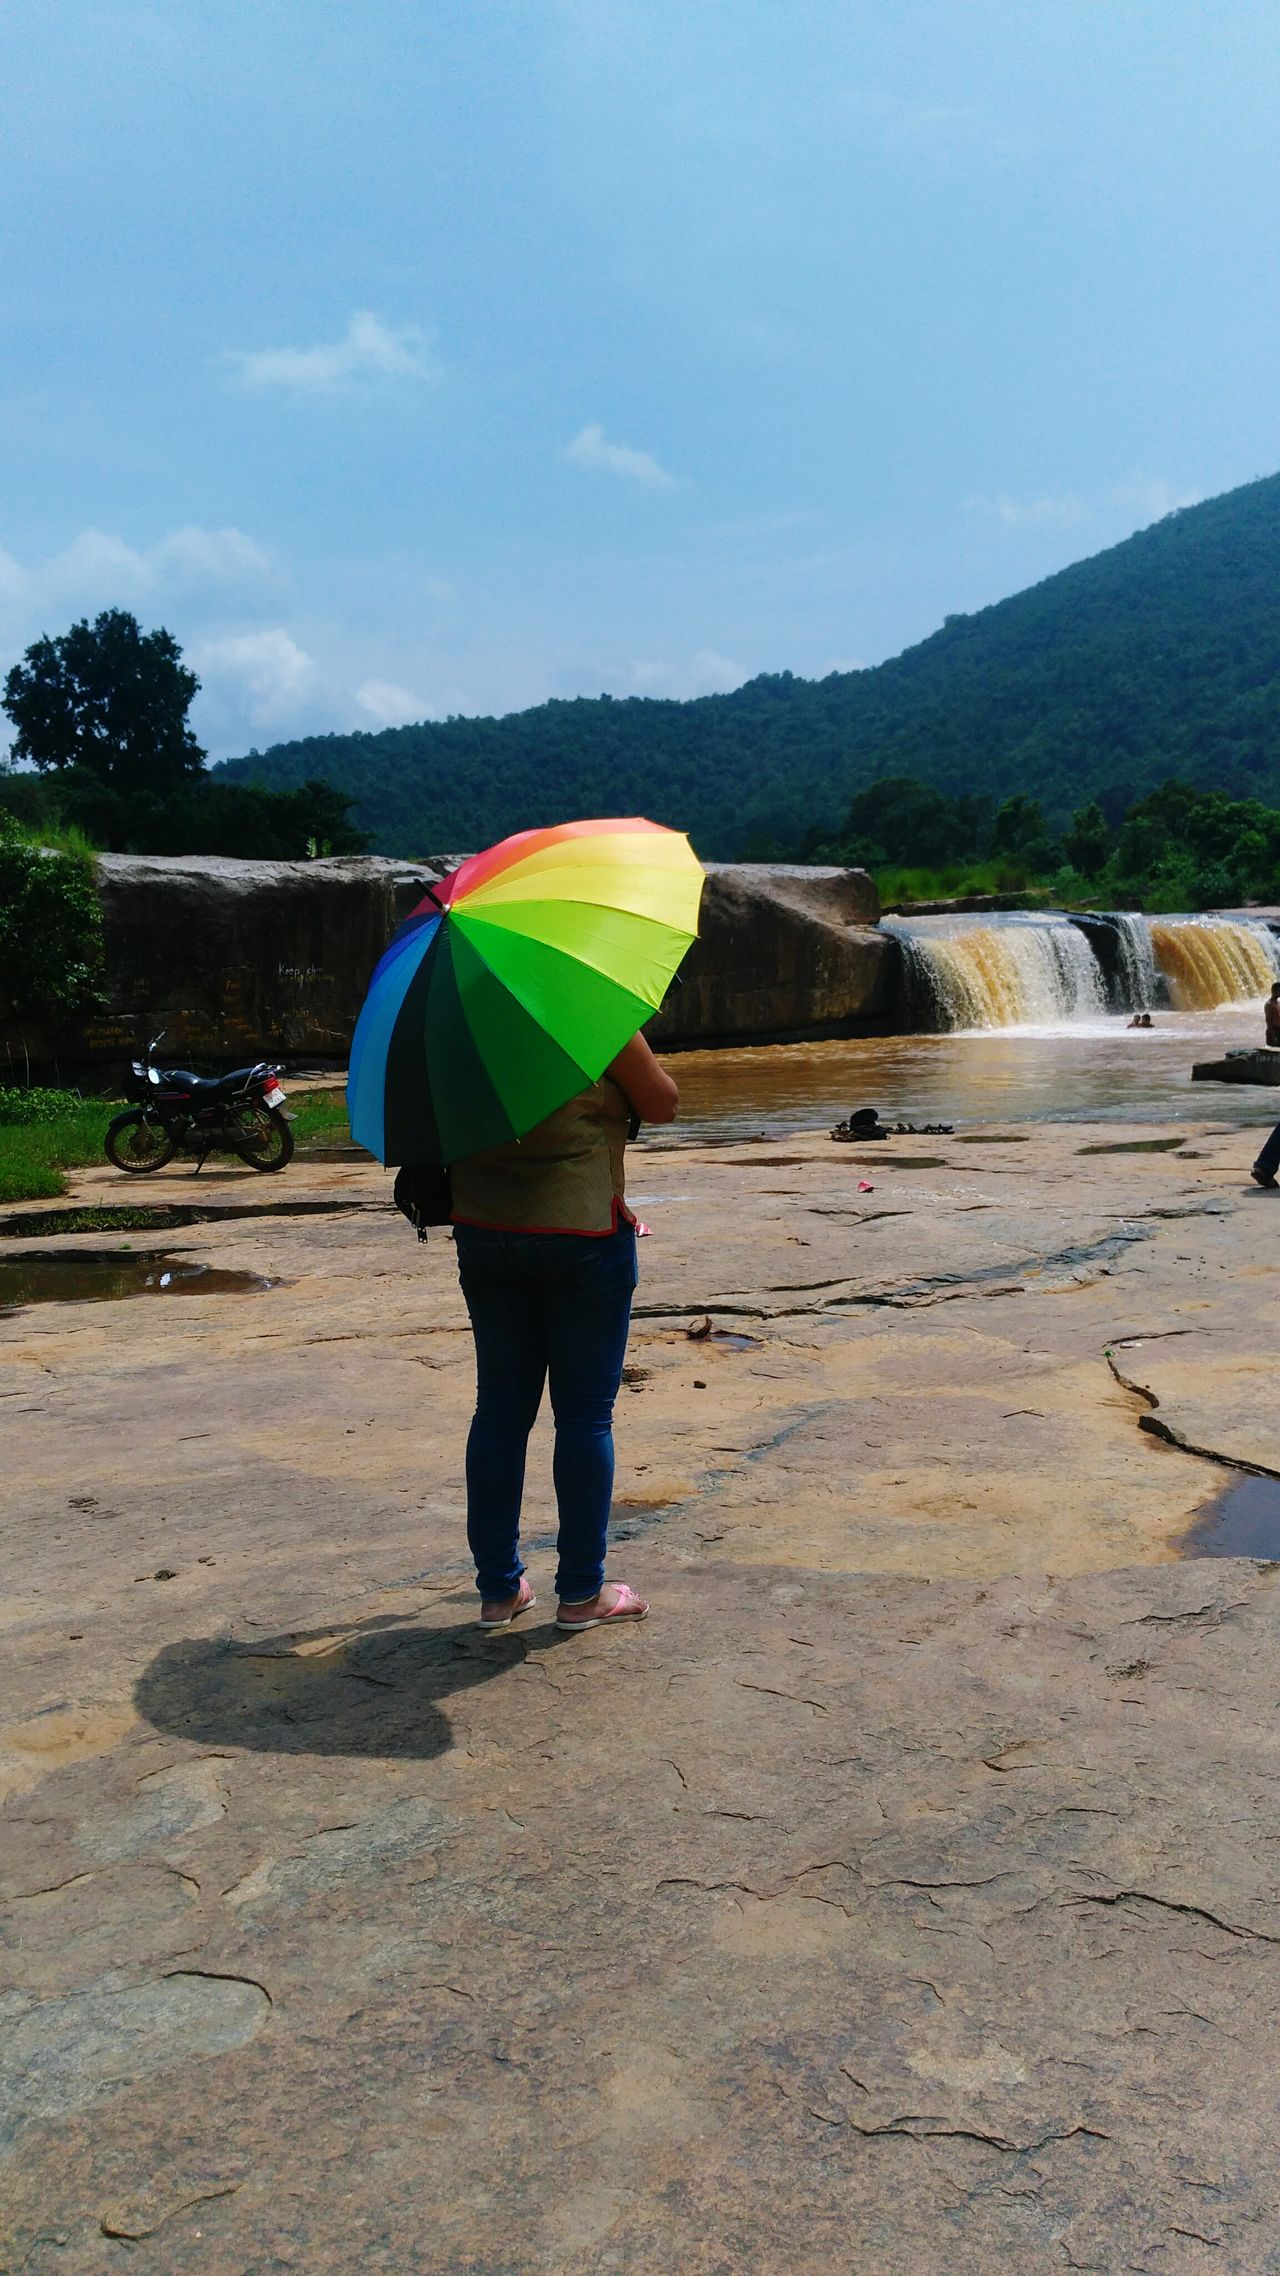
(1088, 841)
(250, 824)
(109, 700)
(1018, 826)
(50, 929)
(901, 820)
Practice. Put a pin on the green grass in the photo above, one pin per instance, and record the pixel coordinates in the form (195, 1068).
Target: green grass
(65, 837)
(956, 881)
(43, 1134)
(319, 1117)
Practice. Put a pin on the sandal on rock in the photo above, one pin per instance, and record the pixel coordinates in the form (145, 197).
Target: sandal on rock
(628, 1607)
(1261, 1177)
(525, 1602)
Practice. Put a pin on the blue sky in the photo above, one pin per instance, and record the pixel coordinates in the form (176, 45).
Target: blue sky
(408, 357)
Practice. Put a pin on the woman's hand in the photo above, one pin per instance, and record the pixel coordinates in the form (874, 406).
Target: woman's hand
(646, 1087)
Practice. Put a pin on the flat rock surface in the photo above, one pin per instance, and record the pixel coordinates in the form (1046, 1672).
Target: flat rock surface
(900, 1897)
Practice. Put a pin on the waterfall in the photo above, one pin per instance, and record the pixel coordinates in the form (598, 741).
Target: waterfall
(1138, 976)
(1209, 961)
(1025, 970)
(1019, 972)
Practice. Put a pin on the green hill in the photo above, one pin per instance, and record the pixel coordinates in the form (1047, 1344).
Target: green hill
(1157, 658)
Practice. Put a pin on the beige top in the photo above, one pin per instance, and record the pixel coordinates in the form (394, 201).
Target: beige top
(565, 1176)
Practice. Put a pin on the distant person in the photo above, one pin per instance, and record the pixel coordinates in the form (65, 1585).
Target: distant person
(1268, 1162)
(1141, 1019)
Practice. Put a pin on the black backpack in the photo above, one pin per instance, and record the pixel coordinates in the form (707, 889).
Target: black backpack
(422, 1195)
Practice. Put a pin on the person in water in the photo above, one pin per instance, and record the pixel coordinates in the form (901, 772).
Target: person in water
(1141, 1019)
(546, 1252)
(1271, 1016)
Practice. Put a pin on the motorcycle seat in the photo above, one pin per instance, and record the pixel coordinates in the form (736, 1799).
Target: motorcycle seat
(206, 1086)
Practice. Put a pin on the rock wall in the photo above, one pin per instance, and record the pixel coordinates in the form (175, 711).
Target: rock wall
(236, 958)
(783, 952)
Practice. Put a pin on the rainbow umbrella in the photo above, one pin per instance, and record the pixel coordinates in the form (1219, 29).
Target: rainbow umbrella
(514, 983)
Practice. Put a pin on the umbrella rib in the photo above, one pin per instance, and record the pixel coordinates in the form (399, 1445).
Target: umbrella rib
(499, 982)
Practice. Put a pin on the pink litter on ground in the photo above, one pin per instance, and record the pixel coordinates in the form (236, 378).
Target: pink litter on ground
(865, 1186)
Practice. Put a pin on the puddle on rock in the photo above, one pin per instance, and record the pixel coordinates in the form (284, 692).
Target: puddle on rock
(1133, 1146)
(111, 1274)
(163, 1217)
(995, 1138)
(887, 1161)
(1242, 1521)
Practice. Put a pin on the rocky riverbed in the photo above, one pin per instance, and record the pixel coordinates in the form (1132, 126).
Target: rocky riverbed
(901, 1897)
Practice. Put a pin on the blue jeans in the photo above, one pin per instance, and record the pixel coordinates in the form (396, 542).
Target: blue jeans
(542, 1305)
(1269, 1159)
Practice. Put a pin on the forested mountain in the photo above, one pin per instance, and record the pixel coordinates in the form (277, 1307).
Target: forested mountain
(1158, 658)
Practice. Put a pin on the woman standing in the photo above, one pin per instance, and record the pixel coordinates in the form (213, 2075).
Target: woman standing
(547, 1260)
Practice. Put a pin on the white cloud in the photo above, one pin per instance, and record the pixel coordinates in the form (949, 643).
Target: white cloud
(1063, 512)
(266, 669)
(1153, 498)
(98, 570)
(94, 562)
(591, 448)
(368, 349)
(210, 556)
(705, 673)
(390, 705)
(1146, 498)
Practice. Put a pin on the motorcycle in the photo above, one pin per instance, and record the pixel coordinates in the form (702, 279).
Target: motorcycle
(178, 1112)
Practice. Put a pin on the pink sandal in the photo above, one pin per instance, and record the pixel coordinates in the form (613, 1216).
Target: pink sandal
(525, 1601)
(628, 1607)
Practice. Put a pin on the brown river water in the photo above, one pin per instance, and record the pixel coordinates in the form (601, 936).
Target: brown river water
(1030, 1028)
(1084, 1070)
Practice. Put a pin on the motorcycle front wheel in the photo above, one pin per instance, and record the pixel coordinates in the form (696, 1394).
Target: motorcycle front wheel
(266, 1142)
(137, 1145)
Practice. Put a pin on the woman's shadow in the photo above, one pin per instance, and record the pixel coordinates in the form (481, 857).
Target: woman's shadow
(372, 1688)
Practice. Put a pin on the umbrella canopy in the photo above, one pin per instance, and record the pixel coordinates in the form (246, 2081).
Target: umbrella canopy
(515, 982)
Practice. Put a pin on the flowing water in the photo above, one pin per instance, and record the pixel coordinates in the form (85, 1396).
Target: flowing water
(1008, 971)
(1026, 969)
(1207, 961)
(1030, 1017)
(1138, 974)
